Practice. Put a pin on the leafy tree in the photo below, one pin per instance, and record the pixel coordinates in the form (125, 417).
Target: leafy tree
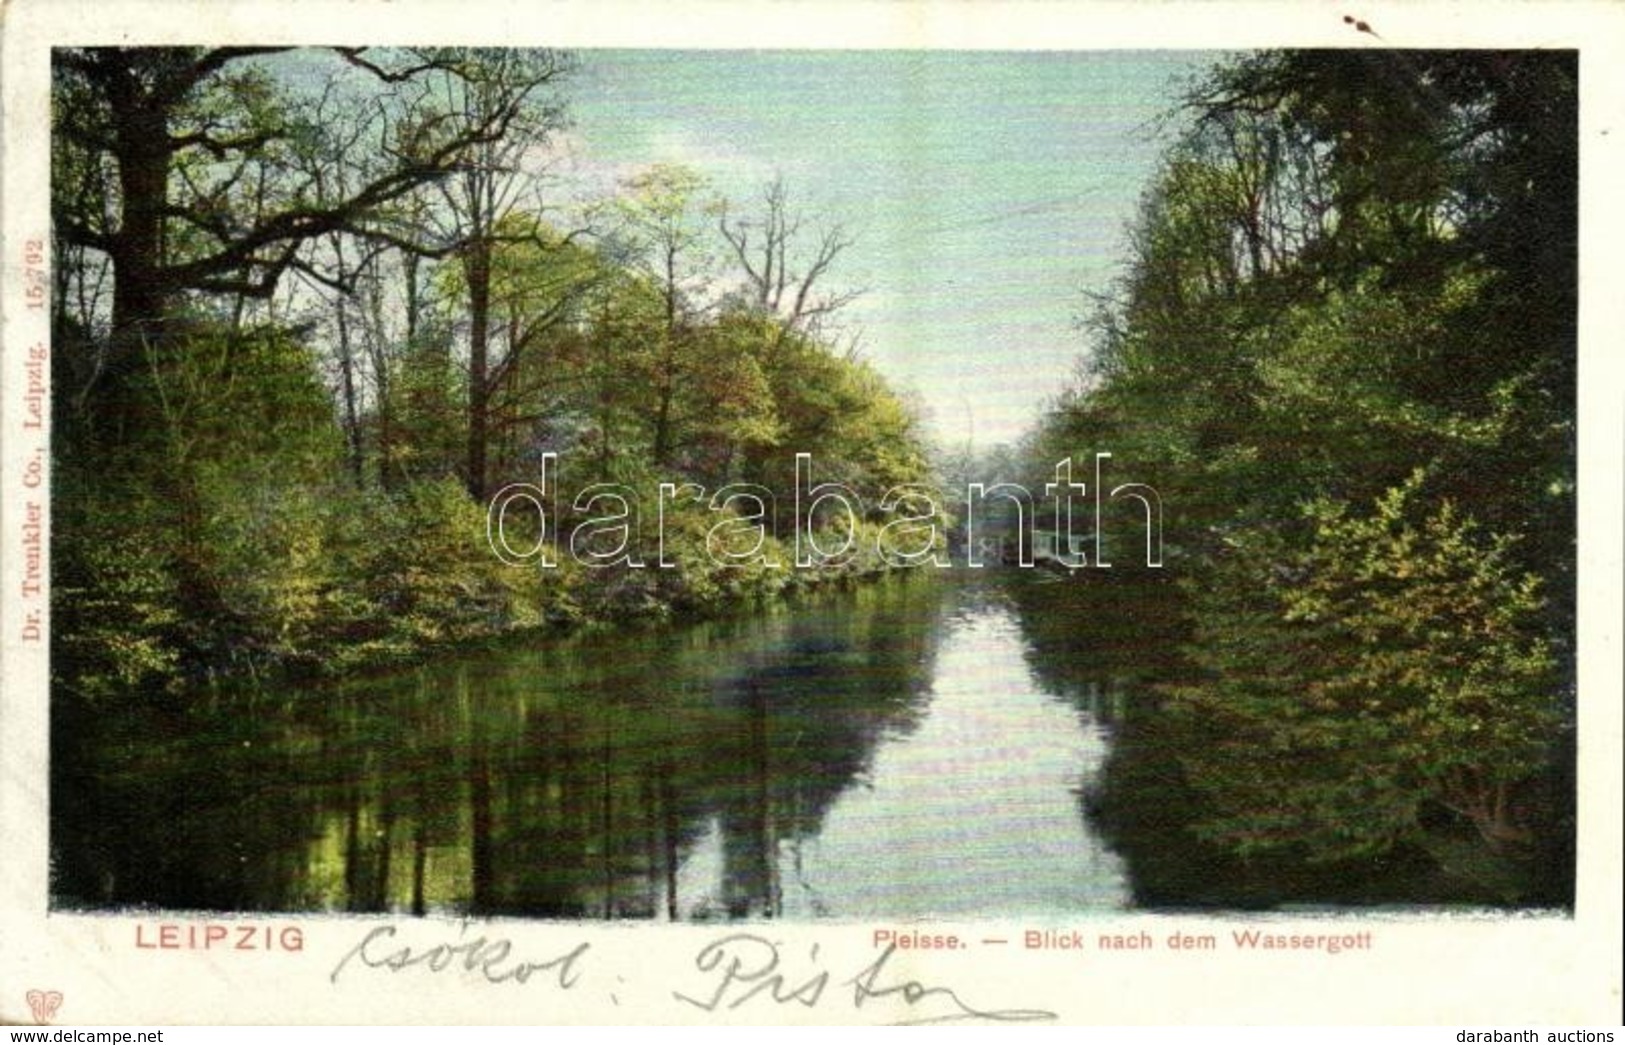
(1393, 663)
(426, 409)
(663, 237)
(207, 533)
(1323, 300)
(533, 310)
(725, 408)
(481, 201)
(156, 148)
(270, 282)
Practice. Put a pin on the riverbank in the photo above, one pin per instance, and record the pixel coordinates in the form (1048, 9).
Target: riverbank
(321, 584)
(792, 759)
(1122, 646)
(794, 763)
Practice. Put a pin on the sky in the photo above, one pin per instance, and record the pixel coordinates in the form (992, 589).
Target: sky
(985, 192)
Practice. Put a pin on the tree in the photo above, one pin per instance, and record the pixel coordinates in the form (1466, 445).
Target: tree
(725, 401)
(272, 278)
(490, 181)
(1323, 291)
(781, 277)
(662, 236)
(1393, 664)
(165, 140)
(535, 311)
(1322, 301)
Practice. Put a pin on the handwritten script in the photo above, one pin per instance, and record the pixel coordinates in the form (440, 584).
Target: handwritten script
(740, 971)
(743, 968)
(490, 959)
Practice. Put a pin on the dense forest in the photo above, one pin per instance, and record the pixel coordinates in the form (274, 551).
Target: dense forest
(1343, 348)
(314, 307)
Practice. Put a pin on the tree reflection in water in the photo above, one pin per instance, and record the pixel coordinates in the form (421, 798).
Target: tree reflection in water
(572, 780)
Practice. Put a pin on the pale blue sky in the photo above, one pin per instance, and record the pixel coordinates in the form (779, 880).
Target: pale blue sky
(985, 190)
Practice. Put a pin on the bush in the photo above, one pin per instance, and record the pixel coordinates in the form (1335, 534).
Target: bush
(1363, 674)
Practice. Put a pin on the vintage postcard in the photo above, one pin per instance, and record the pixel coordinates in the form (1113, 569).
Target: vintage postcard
(790, 513)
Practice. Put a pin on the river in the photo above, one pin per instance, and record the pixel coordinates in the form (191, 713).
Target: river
(913, 748)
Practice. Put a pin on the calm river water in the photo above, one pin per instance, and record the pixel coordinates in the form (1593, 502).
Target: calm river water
(915, 747)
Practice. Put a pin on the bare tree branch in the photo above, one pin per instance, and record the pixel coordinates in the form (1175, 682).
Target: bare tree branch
(780, 282)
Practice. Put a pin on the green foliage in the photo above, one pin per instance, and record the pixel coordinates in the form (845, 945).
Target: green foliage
(427, 428)
(239, 536)
(116, 608)
(221, 510)
(1324, 300)
(200, 548)
(1353, 676)
(411, 570)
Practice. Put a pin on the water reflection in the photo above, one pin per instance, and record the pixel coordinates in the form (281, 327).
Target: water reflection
(888, 752)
